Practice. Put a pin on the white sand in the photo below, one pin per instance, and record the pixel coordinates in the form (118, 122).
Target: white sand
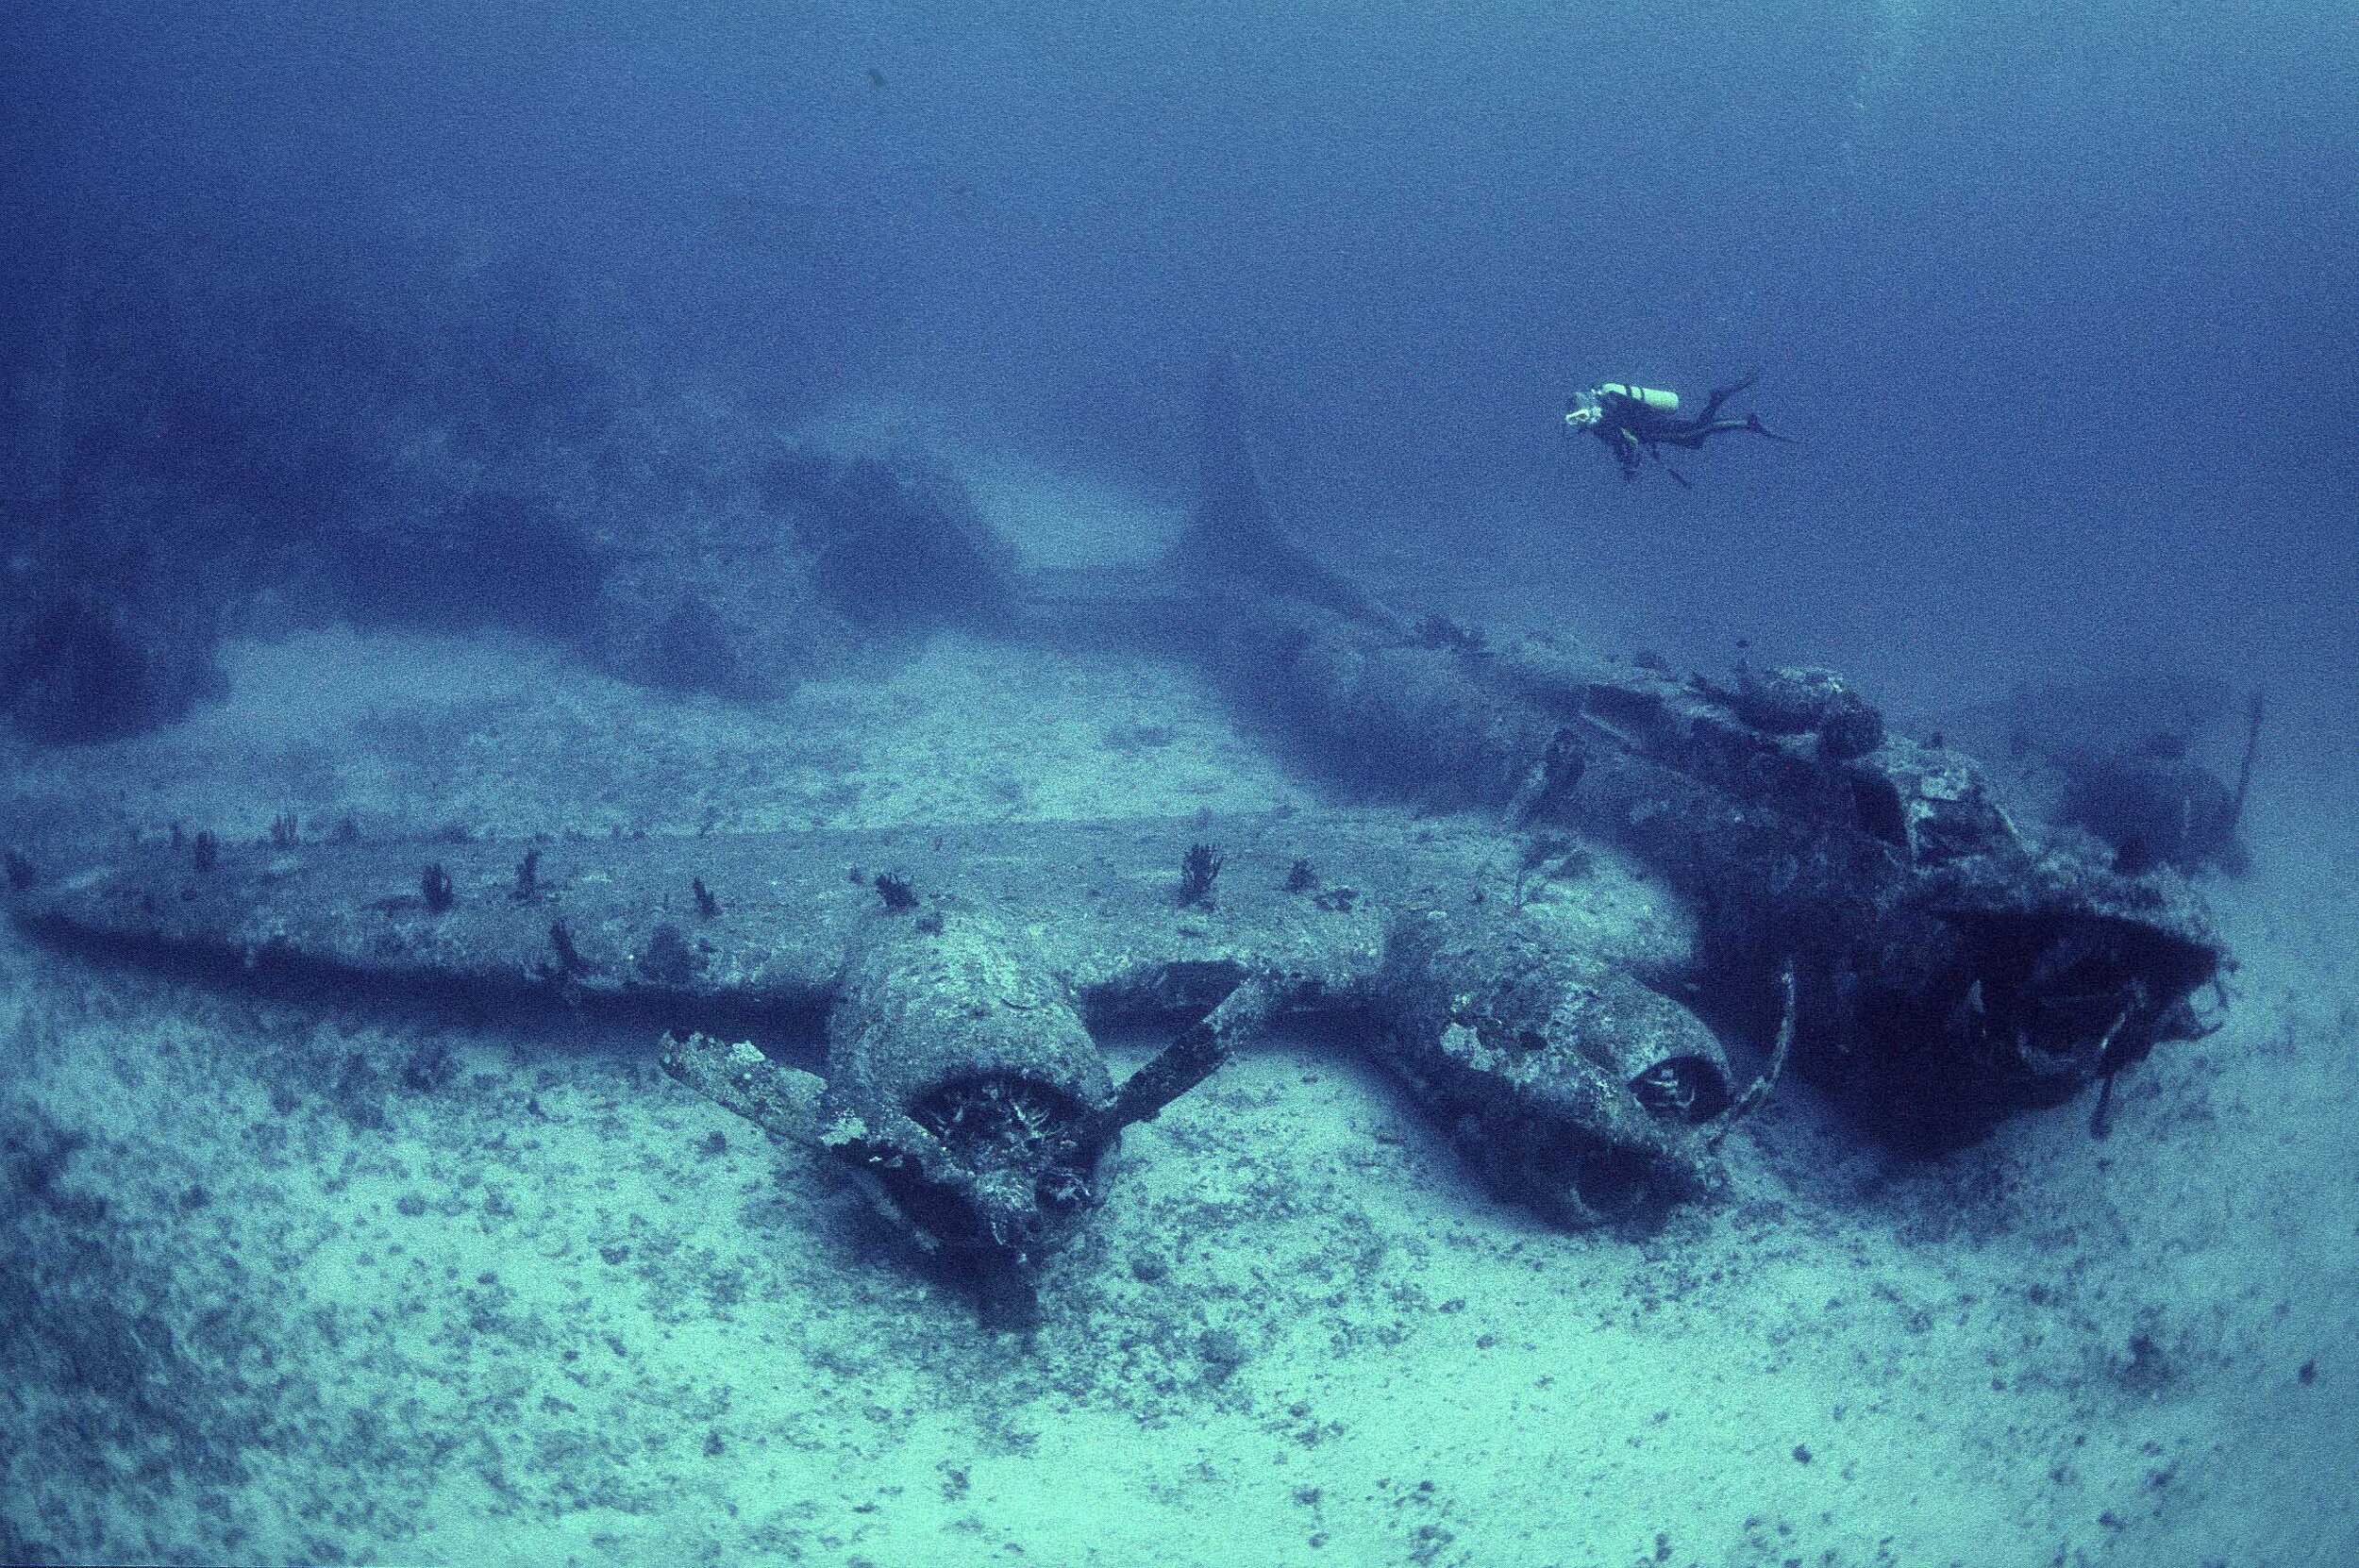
(556, 1309)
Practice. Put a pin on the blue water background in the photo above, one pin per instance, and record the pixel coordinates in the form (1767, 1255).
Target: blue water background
(2058, 298)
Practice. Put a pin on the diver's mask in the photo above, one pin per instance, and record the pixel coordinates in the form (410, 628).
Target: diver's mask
(1584, 413)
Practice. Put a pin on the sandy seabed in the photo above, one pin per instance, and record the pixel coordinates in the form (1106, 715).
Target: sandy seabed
(293, 1279)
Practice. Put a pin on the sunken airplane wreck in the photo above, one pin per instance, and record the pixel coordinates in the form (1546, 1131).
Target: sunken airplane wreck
(1760, 853)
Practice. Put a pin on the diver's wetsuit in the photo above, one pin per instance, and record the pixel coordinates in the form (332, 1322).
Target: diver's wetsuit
(1630, 429)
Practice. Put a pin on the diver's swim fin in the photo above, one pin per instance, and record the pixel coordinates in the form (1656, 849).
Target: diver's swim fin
(1752, 422)
(1719, 395)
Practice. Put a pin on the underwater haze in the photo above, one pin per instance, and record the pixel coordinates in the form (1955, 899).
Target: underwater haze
(457, 426)
(2054, 300)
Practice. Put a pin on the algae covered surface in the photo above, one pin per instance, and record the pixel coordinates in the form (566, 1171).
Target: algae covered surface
(330, 1278)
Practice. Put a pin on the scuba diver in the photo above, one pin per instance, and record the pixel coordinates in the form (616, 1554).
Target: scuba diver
(1633, 421)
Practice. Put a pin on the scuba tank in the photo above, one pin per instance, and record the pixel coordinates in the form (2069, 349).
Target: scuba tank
(1652, 400)
(1640, 407)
